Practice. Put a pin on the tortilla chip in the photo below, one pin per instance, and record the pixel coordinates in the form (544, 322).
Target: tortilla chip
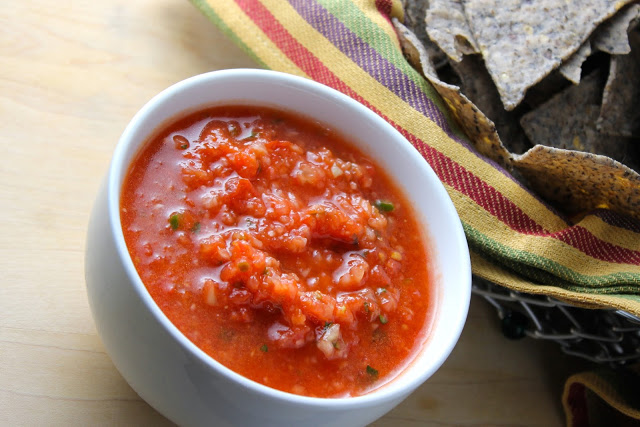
(413, 49)
(568, 121)
(578, 132)
(480, 130)
(620, 112)
(522, 41)
(477, 85)
(579, 182)
(571, 69)
(559, 115)
(542, 124)
(414, 13)
(447, 26)
(611, 36)
(560, 122)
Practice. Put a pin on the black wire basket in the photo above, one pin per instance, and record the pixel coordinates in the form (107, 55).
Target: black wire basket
(601, 335)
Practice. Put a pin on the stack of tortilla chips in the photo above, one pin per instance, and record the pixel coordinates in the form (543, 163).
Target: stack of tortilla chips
(548, 89)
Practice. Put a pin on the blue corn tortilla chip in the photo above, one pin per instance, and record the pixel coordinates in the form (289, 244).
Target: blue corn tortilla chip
(620, 111)
(478, 127)
(578, 182)
(447, 26)
(611, 36)
(569, 121)
(522, 41)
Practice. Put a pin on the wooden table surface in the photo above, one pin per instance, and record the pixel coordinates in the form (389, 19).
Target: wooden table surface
(72, 74)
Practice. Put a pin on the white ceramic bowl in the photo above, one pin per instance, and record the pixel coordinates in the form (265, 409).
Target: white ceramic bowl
(169, 371)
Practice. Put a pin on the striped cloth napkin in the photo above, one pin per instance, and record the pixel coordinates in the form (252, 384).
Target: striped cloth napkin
(603, 397)
(516, 240)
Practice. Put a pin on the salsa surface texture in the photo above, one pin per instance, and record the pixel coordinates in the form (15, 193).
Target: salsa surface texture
(279, 249)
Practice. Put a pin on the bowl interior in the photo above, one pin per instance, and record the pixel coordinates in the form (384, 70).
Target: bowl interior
(367, 131)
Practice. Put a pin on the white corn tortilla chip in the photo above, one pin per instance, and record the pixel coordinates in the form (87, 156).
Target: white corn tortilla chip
(611, 36)
(522, 41)
(447, 26)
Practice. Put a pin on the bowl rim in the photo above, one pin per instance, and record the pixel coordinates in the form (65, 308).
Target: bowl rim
(118, 168)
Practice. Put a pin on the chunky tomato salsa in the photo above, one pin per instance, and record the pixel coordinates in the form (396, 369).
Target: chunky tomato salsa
(279, 249)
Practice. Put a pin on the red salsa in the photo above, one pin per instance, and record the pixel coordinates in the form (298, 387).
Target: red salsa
(279, 249)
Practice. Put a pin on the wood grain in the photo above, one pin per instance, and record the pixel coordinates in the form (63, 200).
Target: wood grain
(72, 74)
